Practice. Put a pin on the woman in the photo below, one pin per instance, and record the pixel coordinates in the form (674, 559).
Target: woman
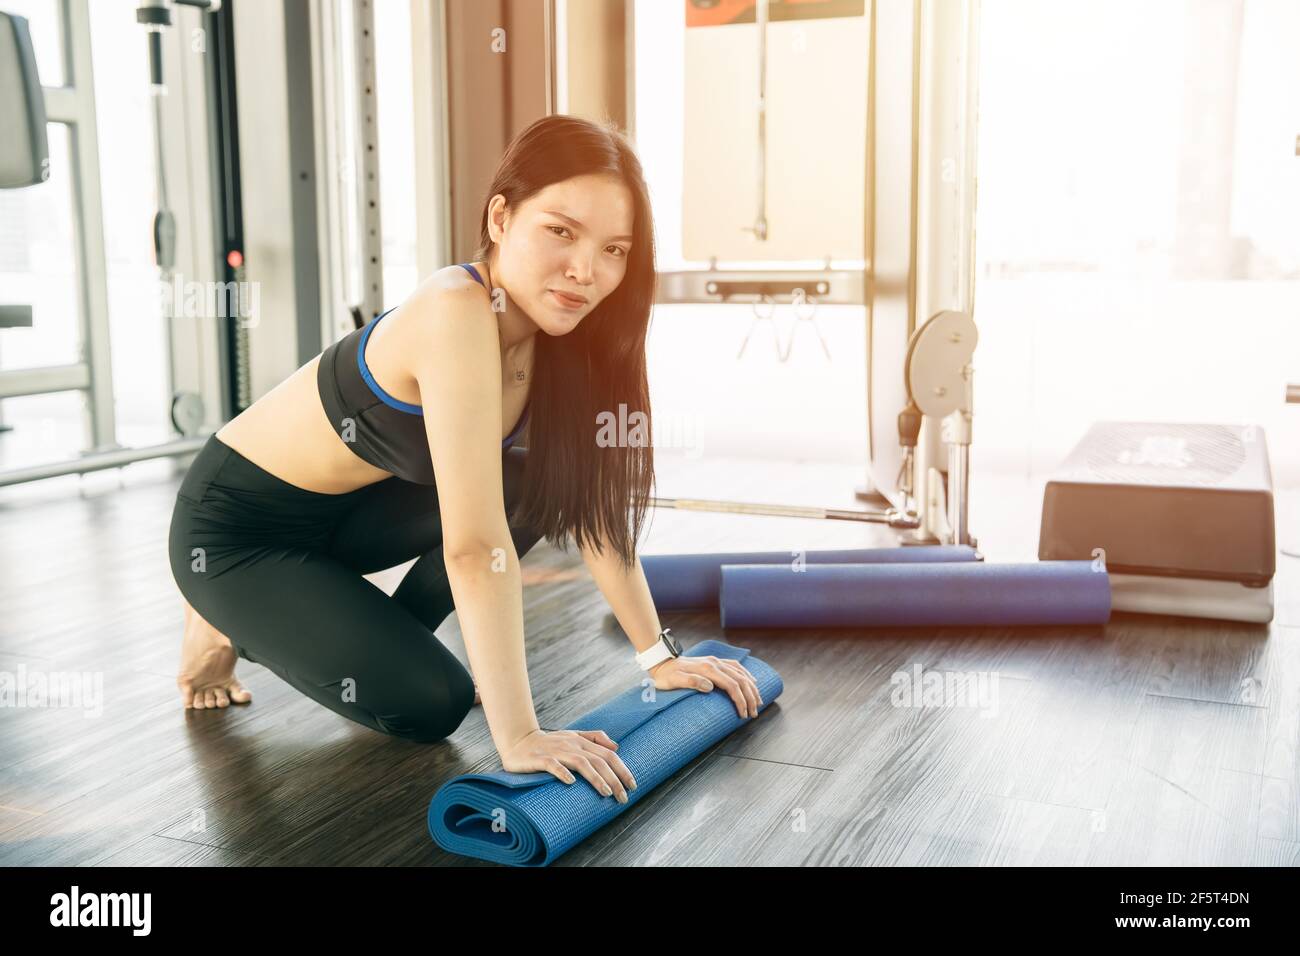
(331, 475)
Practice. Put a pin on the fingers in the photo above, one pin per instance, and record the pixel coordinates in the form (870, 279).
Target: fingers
(692, 674)
(584, 767)
(732, 688)
(747, 685)
(615, 772)
(596, 761)
(554, 766)
(609, 783)
(737, 690)
(600, 737)
(703, 673)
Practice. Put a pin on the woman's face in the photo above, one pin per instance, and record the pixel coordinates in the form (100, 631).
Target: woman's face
(572, 237)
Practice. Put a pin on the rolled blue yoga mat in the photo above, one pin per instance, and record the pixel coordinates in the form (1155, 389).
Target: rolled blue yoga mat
(538, 817)
(682, 582)
(856, 595)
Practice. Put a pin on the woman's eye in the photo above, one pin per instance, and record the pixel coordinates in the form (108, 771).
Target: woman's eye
(619, 249)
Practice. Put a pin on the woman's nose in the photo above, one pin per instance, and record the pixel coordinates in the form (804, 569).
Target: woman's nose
(581, 270)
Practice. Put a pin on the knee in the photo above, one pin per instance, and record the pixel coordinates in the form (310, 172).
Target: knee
(429, 728)
(441, 713)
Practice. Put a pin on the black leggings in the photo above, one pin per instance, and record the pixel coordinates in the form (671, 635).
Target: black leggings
(278, 569)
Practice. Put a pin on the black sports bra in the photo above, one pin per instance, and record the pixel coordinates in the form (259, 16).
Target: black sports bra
(388, 433)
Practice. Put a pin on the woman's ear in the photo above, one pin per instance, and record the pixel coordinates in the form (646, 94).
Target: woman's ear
(498, 217)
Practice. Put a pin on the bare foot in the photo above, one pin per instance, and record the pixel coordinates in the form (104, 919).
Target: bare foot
(207, 671)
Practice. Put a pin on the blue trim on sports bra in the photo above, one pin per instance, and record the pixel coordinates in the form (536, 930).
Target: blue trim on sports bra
(370, 379)
(407, 407)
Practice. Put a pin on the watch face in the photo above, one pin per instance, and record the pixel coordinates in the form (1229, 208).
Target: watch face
(672, 644)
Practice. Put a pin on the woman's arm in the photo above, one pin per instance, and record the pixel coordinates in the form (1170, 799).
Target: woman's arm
(452, 340)
(628, 595)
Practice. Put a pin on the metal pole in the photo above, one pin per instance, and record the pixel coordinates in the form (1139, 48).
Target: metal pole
(759, 229)
(958, 490)
(101, 460)
(891, 517)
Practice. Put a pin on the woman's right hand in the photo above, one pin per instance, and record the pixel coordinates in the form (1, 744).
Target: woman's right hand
(590, 752)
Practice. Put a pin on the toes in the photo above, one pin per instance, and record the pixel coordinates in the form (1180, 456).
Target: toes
(232, 693)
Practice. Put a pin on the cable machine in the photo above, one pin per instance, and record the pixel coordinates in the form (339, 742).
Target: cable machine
(919, 251)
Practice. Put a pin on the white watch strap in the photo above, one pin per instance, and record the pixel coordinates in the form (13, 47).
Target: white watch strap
(653, 655)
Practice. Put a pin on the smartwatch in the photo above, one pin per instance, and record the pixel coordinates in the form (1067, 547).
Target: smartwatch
(660, 651)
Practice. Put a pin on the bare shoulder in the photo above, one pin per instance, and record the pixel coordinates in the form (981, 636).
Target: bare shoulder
(449, 313)
(450, 280)
(448, 293)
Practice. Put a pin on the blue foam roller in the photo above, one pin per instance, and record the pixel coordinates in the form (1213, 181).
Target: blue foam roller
(544, 817)
(856, 595)
(682, 582)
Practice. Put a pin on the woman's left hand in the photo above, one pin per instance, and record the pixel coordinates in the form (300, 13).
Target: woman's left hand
(704, 673)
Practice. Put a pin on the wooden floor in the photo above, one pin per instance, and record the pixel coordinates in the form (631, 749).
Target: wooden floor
(1153, 740)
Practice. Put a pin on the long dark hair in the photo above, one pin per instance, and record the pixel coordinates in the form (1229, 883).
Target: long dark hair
(574, 484)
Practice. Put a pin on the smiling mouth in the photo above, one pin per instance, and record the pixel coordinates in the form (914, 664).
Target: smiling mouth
(568, 299)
